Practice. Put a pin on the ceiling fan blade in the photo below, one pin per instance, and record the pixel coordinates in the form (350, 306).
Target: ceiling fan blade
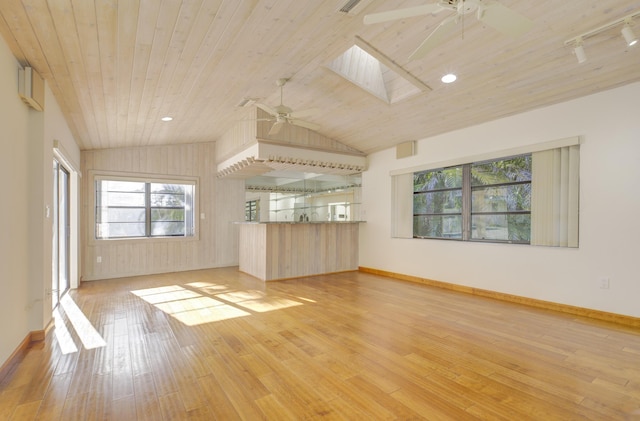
(504, 19)
(443, 30)
(402, 13)
(305, 124)
(277, 126)
(267, 109)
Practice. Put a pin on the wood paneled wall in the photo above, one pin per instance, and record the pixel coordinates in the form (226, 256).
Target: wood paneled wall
(220, 201)
(280, 251)
(296, 135)
(254, 124)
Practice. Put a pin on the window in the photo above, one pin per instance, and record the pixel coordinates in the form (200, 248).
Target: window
(526, 195)
(482, 201)
(437, 203)
(133, 208)
(252, 210)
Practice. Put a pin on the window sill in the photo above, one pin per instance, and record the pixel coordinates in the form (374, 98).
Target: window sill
(145, 240)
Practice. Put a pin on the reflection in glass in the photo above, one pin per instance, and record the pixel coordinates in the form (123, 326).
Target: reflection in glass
(512, 227)
(438, 226)
(303, 197)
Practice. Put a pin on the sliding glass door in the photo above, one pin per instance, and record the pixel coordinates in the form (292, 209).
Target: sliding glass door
(61, 221)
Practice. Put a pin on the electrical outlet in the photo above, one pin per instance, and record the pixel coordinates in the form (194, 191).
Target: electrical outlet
(604, 283)
(99, 259)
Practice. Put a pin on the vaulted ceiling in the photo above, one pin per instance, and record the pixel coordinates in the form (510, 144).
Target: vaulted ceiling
(117, 66)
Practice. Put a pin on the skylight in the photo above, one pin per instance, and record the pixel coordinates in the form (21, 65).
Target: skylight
(369, 69)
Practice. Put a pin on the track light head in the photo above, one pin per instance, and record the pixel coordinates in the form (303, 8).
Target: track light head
(628, 35)
(578, 50)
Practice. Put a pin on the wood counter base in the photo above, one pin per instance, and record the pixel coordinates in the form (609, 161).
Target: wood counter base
(273, 251)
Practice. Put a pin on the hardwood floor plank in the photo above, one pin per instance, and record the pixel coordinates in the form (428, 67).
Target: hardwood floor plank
(299, 397)
(195, 361)
(147, 403)
(54, 399)
(239, 387)
(26, 411)
(162, 375)
(99, 402)
(40, 378)
(338, 347)
(123, 409)
(75, 407)
(274, 409)
(81, 381)
(219, 404)
(9, 399)
(395, 407)
(171, 407)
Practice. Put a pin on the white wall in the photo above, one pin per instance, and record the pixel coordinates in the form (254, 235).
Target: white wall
(609, 124)
(25, 243)
(14, 218)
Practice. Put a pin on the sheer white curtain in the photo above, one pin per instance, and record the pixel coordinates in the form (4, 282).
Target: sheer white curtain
(402, 206)
(555, 197)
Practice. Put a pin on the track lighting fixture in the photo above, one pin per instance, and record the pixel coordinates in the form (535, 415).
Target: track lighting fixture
(627, 33)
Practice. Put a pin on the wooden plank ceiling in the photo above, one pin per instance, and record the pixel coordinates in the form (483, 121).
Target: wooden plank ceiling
(117, 66)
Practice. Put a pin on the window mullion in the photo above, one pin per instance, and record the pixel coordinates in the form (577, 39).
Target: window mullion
(147, 211)
(466, 202)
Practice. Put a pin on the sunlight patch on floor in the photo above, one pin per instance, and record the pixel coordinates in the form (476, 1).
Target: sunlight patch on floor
(88, 334)
(214, 303)
(257, 300)
(65, 341)
(208, 287)
(188, 307)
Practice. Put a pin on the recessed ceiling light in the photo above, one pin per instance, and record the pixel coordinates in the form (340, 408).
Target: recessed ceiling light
(167, 118)
(448, 78)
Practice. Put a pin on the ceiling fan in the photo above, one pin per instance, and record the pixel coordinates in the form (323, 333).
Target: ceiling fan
(493, 14)
(284, 115)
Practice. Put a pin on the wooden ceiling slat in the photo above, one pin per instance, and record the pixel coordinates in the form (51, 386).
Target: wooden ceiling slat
(106, 15)
(159, 63)
(187, 79)
(178, 54)
(13, 44)
(85, 50)
(47, 35)
(214, 78)
(20, 37)
(127, 27)
(147, 22)
(75, 59)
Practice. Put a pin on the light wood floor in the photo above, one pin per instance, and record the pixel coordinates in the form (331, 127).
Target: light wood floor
(217, 344)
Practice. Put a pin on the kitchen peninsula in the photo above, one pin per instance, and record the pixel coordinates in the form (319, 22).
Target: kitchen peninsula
(281, 250)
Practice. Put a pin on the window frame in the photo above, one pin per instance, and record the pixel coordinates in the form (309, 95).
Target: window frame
(252, 207)
(466, 212)
(96, 176)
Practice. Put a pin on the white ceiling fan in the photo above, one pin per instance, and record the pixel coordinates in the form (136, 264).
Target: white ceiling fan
(492, 13)
(284, 115)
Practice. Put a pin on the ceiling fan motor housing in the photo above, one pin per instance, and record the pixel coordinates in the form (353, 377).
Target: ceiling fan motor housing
(467, 6)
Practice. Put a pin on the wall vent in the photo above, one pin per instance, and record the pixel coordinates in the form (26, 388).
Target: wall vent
(405, 149)
(31, 88)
